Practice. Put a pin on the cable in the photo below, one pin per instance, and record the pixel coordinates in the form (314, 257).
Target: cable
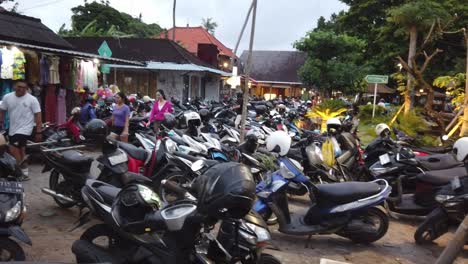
(41, 5)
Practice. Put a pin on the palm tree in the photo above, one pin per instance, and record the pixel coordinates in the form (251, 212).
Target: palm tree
(209, 25)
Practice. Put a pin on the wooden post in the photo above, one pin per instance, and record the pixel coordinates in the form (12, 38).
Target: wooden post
(455, 245)
(173, 21)
(115, 76)
(247, 73)
(396, 115)
(243, 28)
(454, 120)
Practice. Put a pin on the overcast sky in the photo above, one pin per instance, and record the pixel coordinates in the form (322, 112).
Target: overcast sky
(279, 22)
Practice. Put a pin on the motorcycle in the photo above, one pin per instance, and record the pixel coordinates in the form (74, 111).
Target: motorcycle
(346, 209)
(13, 210)
(178, 233)
(452, 208)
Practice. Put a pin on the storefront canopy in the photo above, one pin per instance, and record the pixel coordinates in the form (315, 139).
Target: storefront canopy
(76, 54)
(169, 66)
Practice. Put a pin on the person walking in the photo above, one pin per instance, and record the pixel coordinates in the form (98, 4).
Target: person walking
(120, 117)
(160, 107)
(25, 113)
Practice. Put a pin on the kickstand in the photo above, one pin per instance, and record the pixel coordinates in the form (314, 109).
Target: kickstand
(308, 241)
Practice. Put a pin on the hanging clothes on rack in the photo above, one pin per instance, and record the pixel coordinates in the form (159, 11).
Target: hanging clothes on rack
(6, 70)
(1, 62)
(65, 72)
(50, 103)
(54, 77)
(44, 68)
(61, 106)
(33, 72)
(19, 72)
(88, 72)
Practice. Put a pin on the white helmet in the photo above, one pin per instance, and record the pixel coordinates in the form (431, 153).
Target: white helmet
(146, 99)
(334, 123)
(380, 128)
(75, 110)
(279, 139)
(461, 148)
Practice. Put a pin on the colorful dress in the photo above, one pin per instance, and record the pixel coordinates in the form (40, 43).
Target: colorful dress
(18, 65)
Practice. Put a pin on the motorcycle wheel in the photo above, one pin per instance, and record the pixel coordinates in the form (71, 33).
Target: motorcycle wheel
(100, 235)
(58, 184)
(86, 252)
(10, 251)
(268, 259)
(360, 234)
(180, 178)
(430, 229)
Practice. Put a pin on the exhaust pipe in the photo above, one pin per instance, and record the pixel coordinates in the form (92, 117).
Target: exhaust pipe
(57, 195)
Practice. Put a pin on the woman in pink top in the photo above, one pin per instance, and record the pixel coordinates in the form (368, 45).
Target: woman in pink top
(160, 107)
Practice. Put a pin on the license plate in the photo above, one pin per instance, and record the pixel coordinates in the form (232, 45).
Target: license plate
(118, 159)
(11, 187)
(384, 159)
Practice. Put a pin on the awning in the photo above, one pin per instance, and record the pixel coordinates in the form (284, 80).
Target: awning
(73, 53)
(171, 66)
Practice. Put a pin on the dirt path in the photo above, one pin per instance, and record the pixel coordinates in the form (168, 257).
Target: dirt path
(52, 241)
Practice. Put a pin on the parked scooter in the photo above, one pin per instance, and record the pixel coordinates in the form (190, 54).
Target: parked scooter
(141, 230)
(346, 209)
(12, 208)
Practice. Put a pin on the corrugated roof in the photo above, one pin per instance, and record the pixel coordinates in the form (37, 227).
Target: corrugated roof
(169, 66)
(275, 66)
(190, 37)
(29, 30)
(139, 49)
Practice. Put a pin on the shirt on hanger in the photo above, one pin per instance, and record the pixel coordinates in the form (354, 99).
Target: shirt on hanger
(18, 65)
(7, 64)
(54, 77)
(0, 63)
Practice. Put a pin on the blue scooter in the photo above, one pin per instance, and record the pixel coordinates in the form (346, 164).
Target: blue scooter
(347, 209)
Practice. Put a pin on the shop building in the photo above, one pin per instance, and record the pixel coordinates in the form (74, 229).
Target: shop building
(55, 72)
(275, 73)
(168, 66)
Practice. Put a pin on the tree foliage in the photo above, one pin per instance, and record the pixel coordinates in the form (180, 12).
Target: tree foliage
(209, 25)
(334, 61)
(100, 19)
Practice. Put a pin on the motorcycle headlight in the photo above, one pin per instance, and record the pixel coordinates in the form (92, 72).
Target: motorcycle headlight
(13, 213)
(171, 146)
(442, 198)
(262, 233)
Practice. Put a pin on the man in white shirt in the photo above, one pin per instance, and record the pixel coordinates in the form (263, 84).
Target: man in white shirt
(24, 113)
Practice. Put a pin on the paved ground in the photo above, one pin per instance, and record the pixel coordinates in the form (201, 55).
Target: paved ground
(52, 241)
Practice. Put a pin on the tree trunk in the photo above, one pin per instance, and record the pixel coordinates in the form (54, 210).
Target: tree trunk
(464, 128)
(409, 96)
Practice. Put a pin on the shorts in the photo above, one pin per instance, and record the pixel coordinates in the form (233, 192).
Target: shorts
(19, 140)
(117, 130)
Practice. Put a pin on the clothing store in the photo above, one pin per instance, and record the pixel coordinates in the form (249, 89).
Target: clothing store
(56, 74)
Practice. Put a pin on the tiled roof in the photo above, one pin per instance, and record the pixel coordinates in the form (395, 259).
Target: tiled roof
(190, 37)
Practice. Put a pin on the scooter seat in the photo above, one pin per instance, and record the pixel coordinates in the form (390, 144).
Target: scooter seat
(130, 177)
(108, 192)
(295, 153)
(346, 192)
(75, 160)
(442, 177)
(438, 161)
(134, 152)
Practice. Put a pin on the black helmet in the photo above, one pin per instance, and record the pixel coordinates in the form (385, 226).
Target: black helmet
(226, 190)
(205, 115)
(96, 129)
(292, 114)
(261, 109)
(89, 98)
(131, 206)
(251, 143)
(169, 121)
(109, 100)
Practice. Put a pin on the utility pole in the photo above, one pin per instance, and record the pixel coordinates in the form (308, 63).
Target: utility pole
(173, 21)
(247, 72)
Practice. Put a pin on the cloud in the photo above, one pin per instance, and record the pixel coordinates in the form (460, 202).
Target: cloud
(279, 22)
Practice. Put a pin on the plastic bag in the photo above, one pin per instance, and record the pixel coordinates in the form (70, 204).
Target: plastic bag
(328, 153)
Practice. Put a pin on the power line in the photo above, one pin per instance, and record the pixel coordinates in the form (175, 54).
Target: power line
(41, 5)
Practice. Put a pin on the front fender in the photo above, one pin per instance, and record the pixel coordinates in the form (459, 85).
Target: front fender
(16, 232)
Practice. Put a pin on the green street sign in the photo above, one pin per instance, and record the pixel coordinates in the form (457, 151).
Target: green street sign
(105, 68)
(104, 50)
(377, 79)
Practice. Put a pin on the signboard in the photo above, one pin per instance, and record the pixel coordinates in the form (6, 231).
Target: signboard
(377, 79)
(105, 68)
(104, 50)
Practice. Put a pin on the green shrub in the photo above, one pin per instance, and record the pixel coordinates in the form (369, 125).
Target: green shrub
(365, 114)
(333, 105)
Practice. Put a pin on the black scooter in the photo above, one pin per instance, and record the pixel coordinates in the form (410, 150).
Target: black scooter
(452, 209)
(70, 169)
(12, 209)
